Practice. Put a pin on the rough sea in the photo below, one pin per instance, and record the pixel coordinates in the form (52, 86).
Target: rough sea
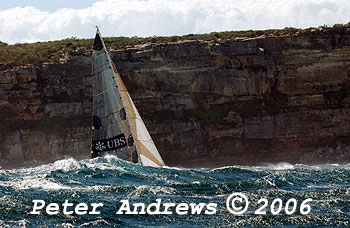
(109, 180)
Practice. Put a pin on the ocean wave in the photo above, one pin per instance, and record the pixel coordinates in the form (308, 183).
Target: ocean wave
(109, 180)
(277, 166)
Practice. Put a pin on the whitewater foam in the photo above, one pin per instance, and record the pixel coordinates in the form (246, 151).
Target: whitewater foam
(109, 179)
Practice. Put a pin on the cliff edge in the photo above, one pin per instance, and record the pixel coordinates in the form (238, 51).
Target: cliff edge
(207, 103)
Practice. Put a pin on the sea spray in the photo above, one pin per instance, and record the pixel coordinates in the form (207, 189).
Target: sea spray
(108, 180)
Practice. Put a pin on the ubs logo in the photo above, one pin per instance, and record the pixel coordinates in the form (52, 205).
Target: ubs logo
(113, 143)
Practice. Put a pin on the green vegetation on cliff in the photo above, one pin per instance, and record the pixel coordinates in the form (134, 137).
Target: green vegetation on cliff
(38, 53)
(54, 51)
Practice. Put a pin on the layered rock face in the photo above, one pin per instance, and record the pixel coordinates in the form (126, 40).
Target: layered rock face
(45, 112)
(206, 103)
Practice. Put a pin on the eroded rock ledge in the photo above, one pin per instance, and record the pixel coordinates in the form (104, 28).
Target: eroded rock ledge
(206, 103)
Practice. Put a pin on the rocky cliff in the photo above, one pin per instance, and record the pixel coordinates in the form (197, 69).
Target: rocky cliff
(206, 103)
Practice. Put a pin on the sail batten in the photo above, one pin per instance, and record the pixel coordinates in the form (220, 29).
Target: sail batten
(117, 125)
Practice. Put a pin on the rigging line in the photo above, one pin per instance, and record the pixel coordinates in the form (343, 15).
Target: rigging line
(116, 74)
(103, 117)
(116, 120)
(98, 72)
(102, 92)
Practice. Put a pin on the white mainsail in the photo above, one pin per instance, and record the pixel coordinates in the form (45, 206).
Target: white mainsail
(117, 126)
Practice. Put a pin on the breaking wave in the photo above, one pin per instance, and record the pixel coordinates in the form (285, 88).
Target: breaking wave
(109, 180)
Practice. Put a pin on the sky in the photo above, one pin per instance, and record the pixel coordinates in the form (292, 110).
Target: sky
(42, 20)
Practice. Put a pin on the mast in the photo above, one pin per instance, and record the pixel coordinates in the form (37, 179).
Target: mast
(140, 146)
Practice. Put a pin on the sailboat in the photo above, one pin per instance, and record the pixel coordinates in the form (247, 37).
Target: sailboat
(117, 126)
